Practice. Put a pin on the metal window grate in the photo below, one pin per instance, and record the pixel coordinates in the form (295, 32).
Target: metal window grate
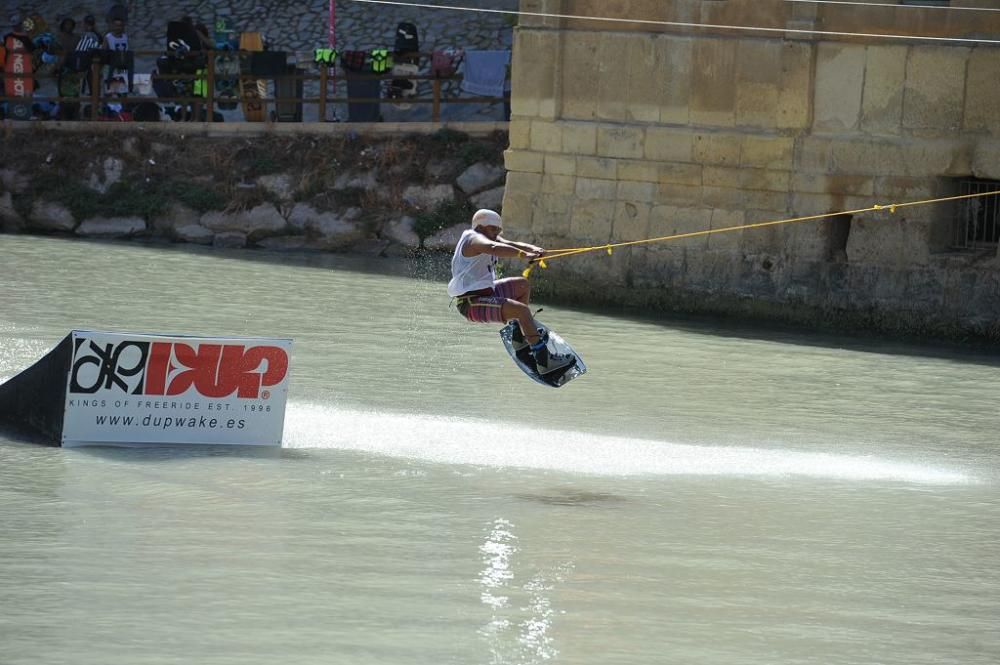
(978, 222)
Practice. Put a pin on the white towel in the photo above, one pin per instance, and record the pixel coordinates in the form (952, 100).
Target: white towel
(485, 72)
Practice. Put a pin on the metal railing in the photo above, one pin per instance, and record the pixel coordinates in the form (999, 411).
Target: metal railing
(977, 224)
(209, 102)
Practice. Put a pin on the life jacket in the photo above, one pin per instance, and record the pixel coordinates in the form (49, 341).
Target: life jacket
(325, 56)
(444, 63)
(381, 60)
(200, 88)
(353, 60)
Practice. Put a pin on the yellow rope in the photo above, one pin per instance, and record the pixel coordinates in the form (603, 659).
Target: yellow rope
(573, 251)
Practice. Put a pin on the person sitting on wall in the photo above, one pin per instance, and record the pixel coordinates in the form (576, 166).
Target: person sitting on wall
(484, 299)
(119, 77)
(70, 70)
(87, 45)
(117, 39)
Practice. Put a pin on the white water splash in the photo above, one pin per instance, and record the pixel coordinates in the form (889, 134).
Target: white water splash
(450, 440)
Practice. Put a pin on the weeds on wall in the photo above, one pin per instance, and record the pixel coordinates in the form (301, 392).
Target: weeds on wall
(127, 198)
(206, 174)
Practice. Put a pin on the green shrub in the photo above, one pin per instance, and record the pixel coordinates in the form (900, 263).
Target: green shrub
(125, 199)
(82, 201)
(195, 197)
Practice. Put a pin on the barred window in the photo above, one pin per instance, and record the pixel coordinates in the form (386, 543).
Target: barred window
(977, 223)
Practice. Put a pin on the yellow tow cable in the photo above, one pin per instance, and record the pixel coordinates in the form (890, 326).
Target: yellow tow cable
(572, 251)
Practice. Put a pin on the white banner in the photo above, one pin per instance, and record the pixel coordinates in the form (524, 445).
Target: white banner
(127, 388)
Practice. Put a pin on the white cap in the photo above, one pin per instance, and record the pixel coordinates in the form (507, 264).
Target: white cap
(486, 217)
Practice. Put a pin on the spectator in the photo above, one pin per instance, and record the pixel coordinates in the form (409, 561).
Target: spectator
(205, 42)
(118, 12)
(48, 49)
(89, 42)
(67, 38)
(117, 39)
(118, 80)
(67, 74)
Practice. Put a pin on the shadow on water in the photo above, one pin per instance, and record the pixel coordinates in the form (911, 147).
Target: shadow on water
(572, 497)
(861, 341)
(435, 267)
(423, 265)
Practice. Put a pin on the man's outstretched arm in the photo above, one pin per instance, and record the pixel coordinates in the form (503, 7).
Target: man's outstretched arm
(502, 249)
(523, 246)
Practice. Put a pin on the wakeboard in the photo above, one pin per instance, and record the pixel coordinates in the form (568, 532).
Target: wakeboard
(555, 344)
(227, 80)
(18, 82)
(401, 90)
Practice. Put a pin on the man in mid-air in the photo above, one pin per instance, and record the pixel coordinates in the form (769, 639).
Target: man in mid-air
(482, 298)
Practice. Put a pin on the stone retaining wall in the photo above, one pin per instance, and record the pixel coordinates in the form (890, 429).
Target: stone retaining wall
(635, 132)
(389, 195)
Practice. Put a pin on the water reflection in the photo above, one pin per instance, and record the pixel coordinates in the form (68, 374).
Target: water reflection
(519, 630)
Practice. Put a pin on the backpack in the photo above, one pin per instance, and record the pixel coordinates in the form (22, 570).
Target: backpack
(406, 38)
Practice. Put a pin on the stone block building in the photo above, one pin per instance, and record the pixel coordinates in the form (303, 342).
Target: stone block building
(642, 126)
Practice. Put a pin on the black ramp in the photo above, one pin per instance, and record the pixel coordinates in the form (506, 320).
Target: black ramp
(33, 402)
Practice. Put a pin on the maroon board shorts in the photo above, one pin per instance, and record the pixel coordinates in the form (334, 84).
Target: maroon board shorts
(487, 308)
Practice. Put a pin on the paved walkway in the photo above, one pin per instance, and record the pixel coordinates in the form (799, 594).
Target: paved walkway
(300, 27)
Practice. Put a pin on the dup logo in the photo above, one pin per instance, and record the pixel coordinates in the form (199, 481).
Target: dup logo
(172, 368)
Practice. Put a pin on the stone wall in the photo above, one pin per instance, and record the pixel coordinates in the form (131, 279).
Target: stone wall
(634, 134)
(330, 190)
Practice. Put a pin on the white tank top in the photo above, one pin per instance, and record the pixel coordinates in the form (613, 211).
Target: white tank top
(117, 43)
(470, 273)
